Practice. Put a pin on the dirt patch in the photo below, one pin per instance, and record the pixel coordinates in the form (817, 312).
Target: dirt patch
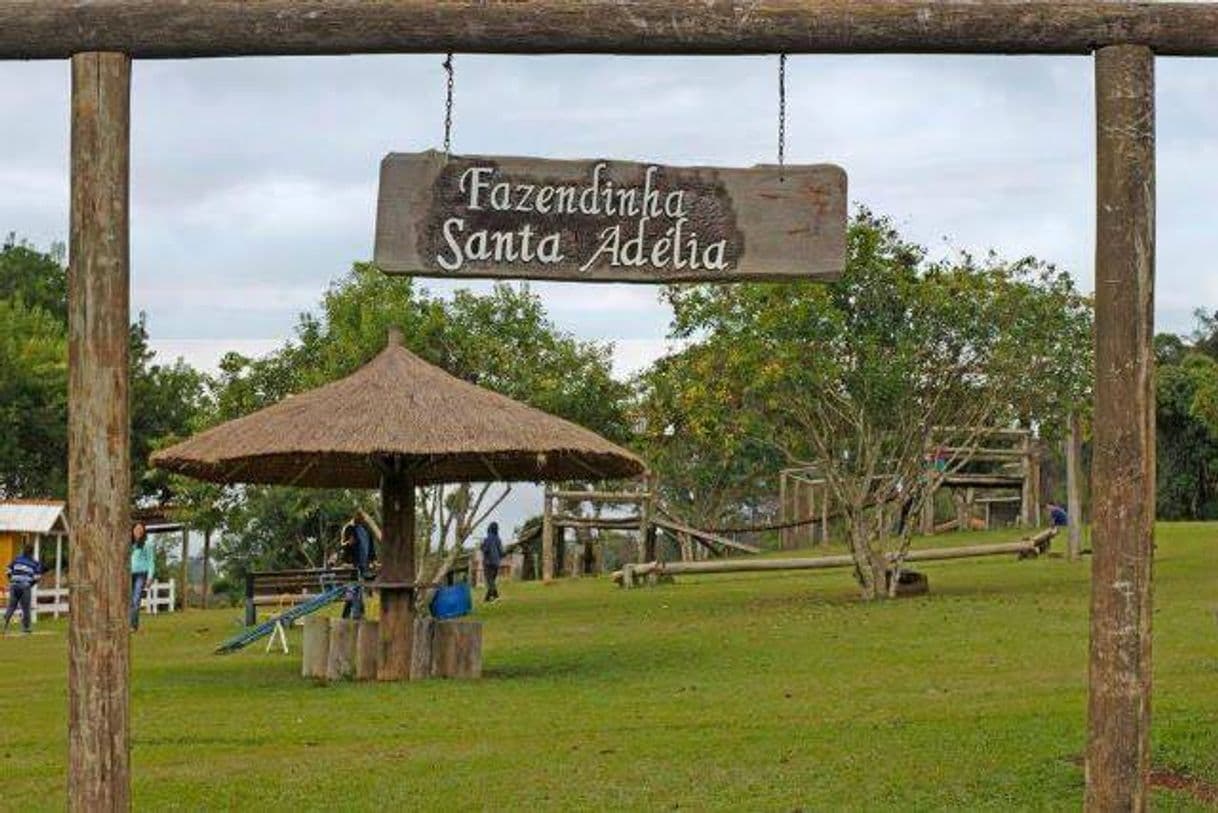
(1200, 789)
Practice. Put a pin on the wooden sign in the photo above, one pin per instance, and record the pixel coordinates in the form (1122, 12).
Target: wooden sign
(608, 221)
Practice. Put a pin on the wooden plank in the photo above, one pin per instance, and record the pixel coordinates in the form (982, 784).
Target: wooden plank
(367, 649)
(99, 444)
(603, 496)
(1123, 466)
(55, 29)
(673, 525)
(457, 649)
(608, 221)
(397, 566)
(340, 660)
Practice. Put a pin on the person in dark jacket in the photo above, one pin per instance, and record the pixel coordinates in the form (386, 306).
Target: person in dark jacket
(23, 574)
(1058, 516)
(492, 556)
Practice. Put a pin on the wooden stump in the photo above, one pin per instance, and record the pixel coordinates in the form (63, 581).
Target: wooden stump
(457, 649)
(341, 662)
(315, 649)
(420, 656)
(367, 645)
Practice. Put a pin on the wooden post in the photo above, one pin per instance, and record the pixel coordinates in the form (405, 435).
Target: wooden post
(1074, 502)
(398, 573)
(420, 656)
(784, 533)
(206, 566)
(99, 442)
(1123, 468)
(183, 572)
(340, 665)
(928, 512)
(824, 512)
(648, 541)
(367, 647)
(1025, 489)
(457, 649)
(58, 574)
(547, 538)
(315, 647)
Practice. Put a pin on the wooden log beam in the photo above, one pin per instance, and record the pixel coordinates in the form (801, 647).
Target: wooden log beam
(55, 29)
(99, 441)
(1123, 466)
(1032, 546)
(602, 496)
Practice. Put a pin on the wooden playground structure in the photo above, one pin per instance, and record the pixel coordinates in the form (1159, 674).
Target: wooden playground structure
(992, 484)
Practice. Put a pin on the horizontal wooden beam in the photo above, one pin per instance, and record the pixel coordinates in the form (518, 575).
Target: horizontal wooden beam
(55, 29)
(601, 496)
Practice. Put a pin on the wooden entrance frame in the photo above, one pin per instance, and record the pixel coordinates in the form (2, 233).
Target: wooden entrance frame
(101, 39)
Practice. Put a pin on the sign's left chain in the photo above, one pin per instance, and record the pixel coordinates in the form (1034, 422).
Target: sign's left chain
(448, 106)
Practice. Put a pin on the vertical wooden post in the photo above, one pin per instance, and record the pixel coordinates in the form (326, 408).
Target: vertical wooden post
(547, 538)
(1025, 489)
(183, 571)
(1074, 503)
(99, 443)
(398, 572)
(650, 543)
(1123, 468)
(928, 512)
(206, 566)
(783, 533)
(824, 512)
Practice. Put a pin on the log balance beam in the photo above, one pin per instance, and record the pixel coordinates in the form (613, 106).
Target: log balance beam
(1030, 547)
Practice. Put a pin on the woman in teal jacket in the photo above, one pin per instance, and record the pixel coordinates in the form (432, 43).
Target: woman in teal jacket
(143, 568)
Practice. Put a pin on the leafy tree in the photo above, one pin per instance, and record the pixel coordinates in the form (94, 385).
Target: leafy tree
(33, 401)
(37, 278)
(853, 376)
(33, 381)
(501, 340)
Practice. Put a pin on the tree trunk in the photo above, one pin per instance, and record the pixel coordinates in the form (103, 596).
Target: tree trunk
(1074, 503)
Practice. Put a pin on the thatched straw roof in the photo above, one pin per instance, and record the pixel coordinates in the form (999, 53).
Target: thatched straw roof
(444, 429)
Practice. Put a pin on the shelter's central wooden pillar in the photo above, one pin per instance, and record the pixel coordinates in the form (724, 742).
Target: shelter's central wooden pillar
(1118, 748)
(398, 575)
(99, 450)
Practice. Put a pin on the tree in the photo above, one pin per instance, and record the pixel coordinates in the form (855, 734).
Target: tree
(501, 340)
(854, 376)
(33, 401)
(703, 443)
(33, 381)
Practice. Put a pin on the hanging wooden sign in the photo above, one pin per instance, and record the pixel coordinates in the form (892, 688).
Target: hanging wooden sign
(608, 221)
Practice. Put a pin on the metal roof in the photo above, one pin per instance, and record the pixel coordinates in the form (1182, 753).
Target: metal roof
(33, 517)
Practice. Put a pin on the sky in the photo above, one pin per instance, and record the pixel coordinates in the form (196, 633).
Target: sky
(254, 180)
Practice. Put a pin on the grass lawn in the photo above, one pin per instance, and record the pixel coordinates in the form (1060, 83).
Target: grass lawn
(738, 691)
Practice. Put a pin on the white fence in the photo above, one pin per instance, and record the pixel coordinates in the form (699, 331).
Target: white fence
(159, 597)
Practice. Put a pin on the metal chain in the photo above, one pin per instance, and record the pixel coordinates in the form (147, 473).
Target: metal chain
(448, 107)
(782, 114)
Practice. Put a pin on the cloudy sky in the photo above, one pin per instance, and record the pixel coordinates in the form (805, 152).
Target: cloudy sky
(254, 181)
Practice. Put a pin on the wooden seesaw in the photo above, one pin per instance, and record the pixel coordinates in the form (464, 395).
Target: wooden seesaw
(630, 574)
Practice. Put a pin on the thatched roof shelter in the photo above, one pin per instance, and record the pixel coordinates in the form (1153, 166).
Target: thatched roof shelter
(397, 422)
(442, 429)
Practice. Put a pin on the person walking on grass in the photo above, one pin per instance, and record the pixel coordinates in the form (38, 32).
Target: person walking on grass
(23, 574)
(143, 568)
(492, 556)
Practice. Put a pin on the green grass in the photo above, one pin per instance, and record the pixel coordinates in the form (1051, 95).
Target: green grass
(741, 691)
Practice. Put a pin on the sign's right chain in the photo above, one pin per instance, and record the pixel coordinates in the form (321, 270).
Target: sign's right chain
(448, 107)
(782, 115)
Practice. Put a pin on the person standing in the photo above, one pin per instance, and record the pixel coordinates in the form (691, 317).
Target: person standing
(143, 568)
(23, 574)
(492, 556)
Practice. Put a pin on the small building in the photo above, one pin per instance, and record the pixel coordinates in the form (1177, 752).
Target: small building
(45, 524)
